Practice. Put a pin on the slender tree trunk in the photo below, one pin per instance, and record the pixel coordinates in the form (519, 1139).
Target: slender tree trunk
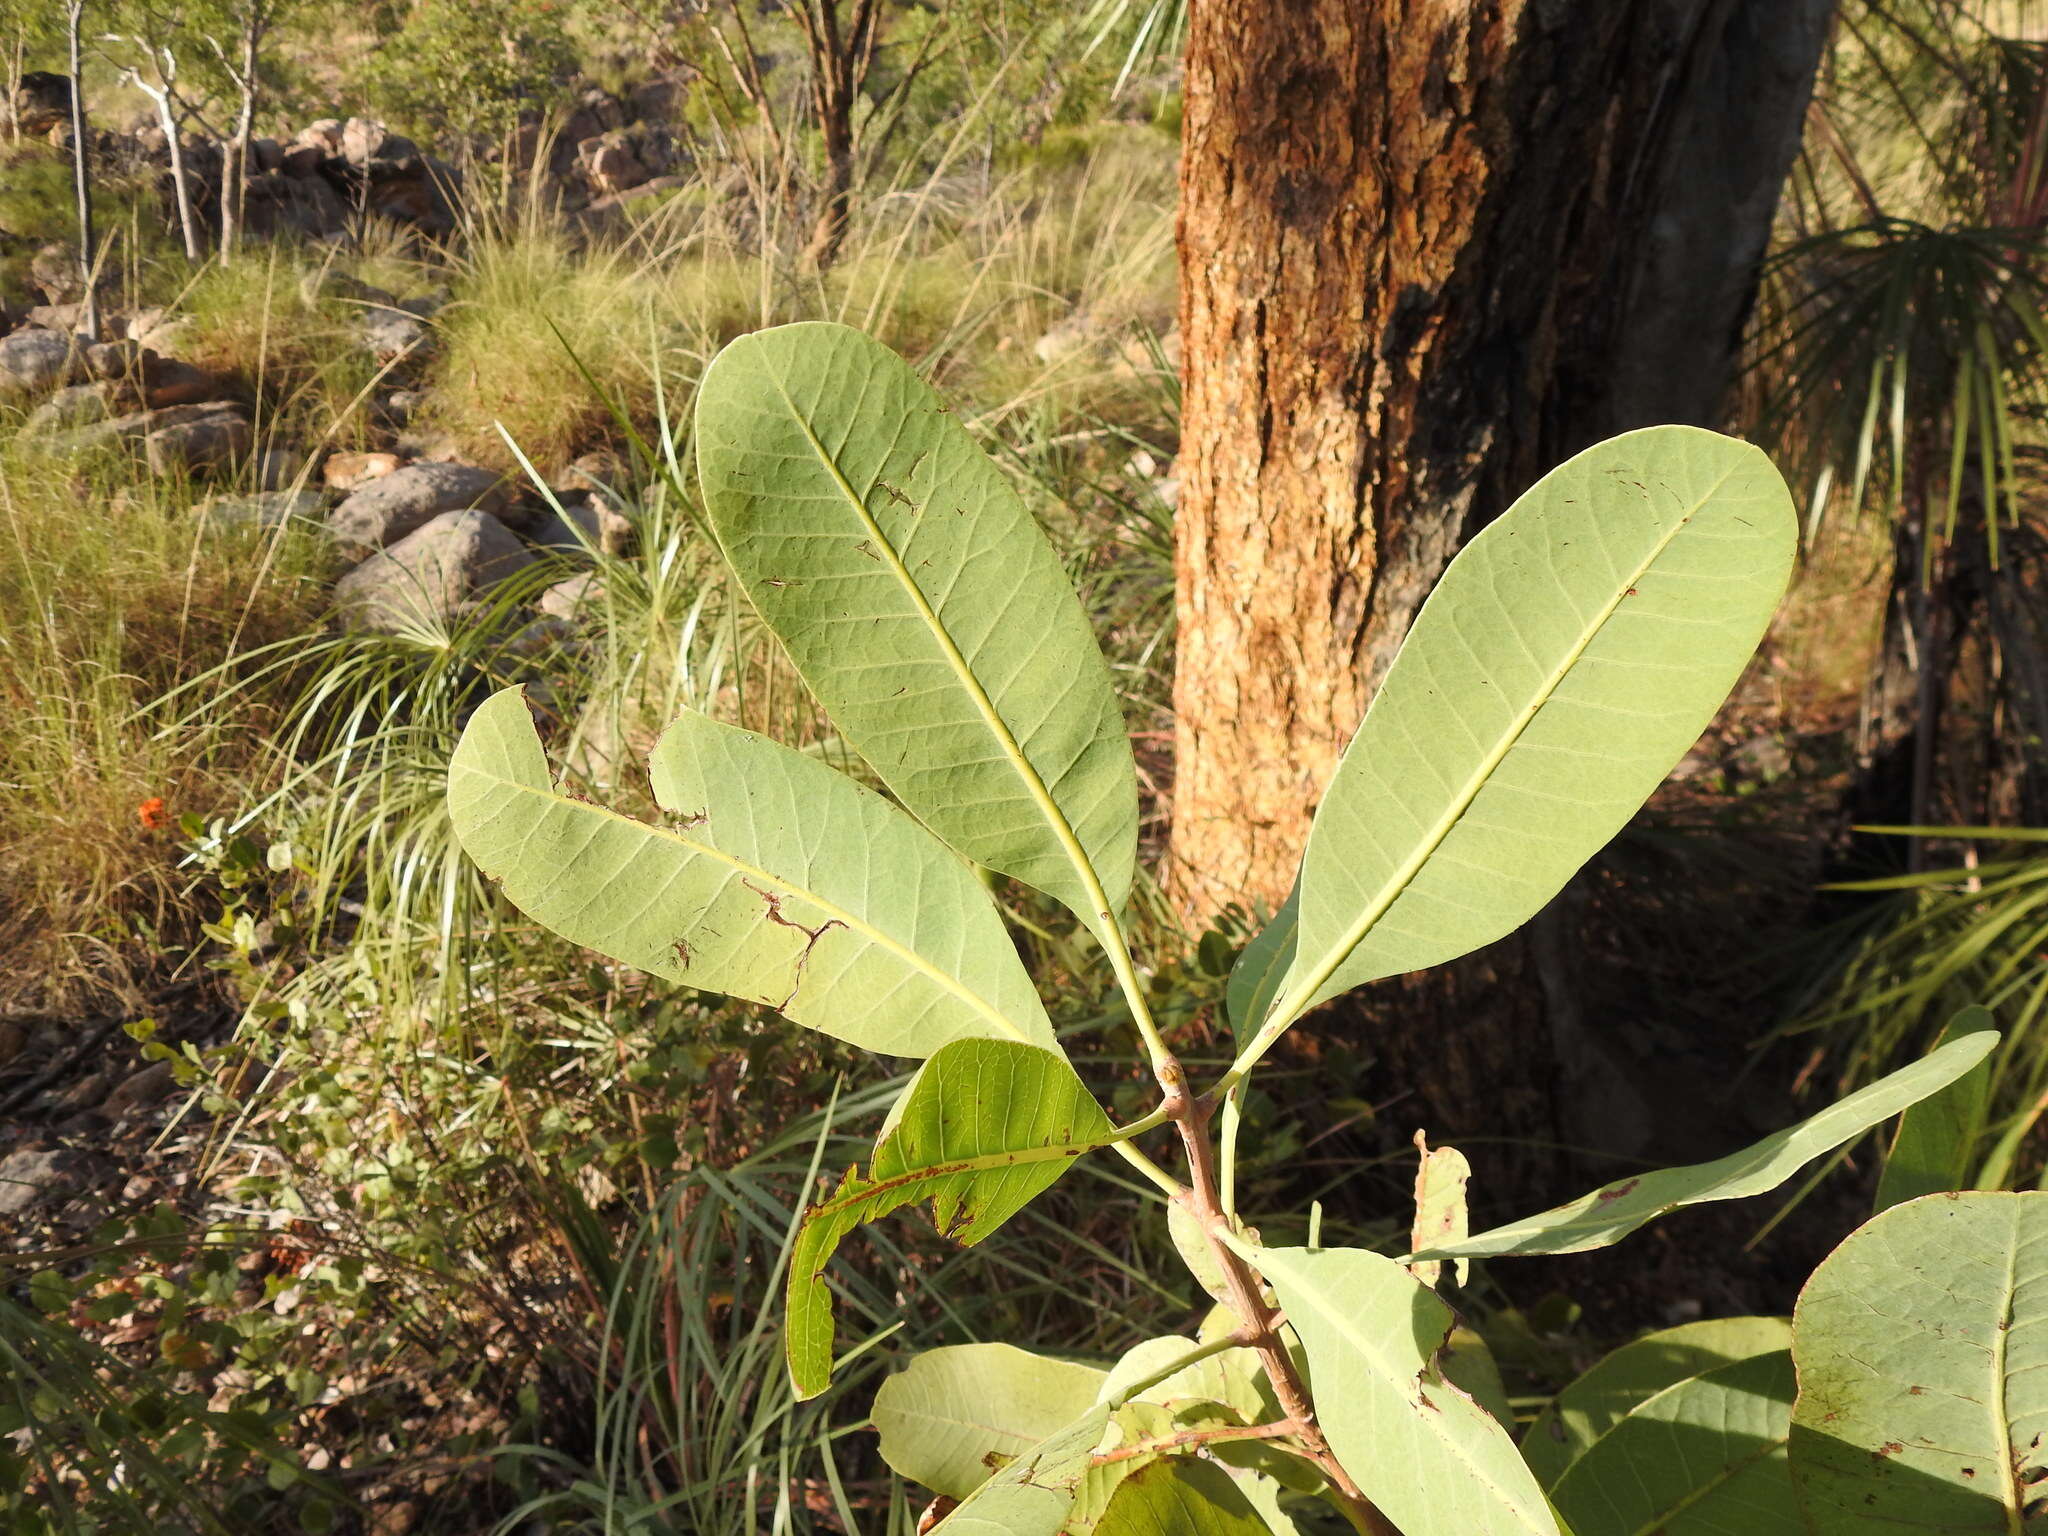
(235, 171)
(81, 180)
(1426, 252)
(181, 185)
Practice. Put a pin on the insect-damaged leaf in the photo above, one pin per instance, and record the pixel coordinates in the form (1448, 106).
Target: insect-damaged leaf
(779, 881)
(1571, 654)
(1033, 1495)
(1923, 1399)
(1612, 1212)
(922, 605)
(1180, 1496)
(987, 1127)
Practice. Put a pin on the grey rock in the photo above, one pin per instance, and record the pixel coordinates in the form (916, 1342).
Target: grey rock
(139, 1090)
(32, 1176)
(573, 599)
(392, 333)
(214, 440)
(427, 575)
(267, 154)
(75, 405)
(389, 508)
(34, 361)
(279, 468)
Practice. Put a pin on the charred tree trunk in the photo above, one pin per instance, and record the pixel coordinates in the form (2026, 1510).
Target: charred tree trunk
(1427, 251)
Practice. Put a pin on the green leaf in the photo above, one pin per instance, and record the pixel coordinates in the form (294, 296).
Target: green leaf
(1613, 1211)
(1572, 652)
(922, 605)
(956, 1416)
(1634, 1373)
(1232, 1378)
(1033, 1495)
(1937, 1139)
(1432, 1460)
(1704, 1457)
(1261, 966)
(988, 1126)
(779, 881)
(1919, 1342)
(1179, 1496)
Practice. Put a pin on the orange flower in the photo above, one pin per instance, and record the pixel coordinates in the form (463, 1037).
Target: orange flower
(151, 813)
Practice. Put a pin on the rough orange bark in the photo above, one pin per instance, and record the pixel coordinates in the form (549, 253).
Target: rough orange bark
(1428, 247)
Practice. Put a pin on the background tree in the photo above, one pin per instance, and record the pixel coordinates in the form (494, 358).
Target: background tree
(81, 177)
(147, 59)
(1425, 252)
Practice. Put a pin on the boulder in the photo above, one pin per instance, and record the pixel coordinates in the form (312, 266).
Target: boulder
(54, 269)
(365, 141)
(219, 437)
(78, 405)
(280, 467)
(350, 471)
(54, 317)
(325, 136)
(426, 576)
(267, 154)
(33, 361)
(392, 333)
(302, 161)
(391, 507)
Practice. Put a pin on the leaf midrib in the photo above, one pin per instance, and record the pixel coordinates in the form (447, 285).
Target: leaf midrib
(852, 920)
(1297, 1000)
(1034, 785)
(986, 1162)
(1339, 1321)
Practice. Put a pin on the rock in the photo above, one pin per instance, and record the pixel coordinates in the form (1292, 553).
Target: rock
(213, 440)
(325, 136)
(573, 599)
(582, 526)
(140, 1090)
(112, 359)
(348, 471)
(613, 168)
(365, 141)
(54, 317)
(392, 333)
(428, 574)
(279, 468)
(42, 102)
(267, 154)
(330, 283)
(268, 509)
(31, 1176)
(33, 361)
(600, 473)
(302, 161)
(388, 509)
(1066, 338)
(54, 269)
(77, 405)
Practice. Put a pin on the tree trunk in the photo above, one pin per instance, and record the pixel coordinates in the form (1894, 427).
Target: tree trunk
(235, 166)
(181, 186)
(1427, 252)
(81, 181)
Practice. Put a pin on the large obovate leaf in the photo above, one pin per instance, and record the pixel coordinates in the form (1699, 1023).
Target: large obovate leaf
(958, 1415)
(988, 1125)
(922, 605)
(1432, 1460)
(777, 880)
(1922, 1347)
(1571, 654)
(1630, 1376)
(1613, 1211)
(1704, 1457)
